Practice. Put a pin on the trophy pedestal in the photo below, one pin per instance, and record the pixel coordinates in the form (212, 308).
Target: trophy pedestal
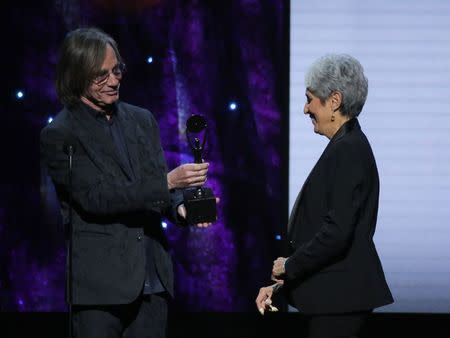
(200, 205)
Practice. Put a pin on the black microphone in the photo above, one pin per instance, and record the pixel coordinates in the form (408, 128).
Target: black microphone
(70, 146)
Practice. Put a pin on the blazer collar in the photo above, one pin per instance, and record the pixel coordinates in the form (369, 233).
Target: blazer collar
(345, 129)
(97, 141)
(132, 134)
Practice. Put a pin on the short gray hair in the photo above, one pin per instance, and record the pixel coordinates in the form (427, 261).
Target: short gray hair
(339, 73)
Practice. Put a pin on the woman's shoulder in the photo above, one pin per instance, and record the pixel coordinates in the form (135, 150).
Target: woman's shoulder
(353, 148)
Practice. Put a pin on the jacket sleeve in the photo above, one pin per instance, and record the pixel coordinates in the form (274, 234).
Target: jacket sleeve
(176, 198)
(344, 200)
(102, 194)
(170, 210)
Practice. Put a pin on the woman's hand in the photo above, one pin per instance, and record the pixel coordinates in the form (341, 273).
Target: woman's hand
(278, 269)
(264, 298)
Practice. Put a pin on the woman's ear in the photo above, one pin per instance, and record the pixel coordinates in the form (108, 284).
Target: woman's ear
(336, 101)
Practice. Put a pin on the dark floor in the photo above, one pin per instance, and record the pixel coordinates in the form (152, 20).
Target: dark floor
(236, 325)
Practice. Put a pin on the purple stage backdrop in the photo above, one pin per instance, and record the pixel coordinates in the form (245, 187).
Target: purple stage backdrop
(183, 57)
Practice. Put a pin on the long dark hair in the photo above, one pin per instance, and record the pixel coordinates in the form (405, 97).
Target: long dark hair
(80, 58)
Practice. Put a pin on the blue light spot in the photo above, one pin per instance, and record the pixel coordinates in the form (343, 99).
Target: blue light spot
(50, 119)
(19, 95)
(20, 301)
(233, 105)
(150, 59)
(164, 225)
(278, 237)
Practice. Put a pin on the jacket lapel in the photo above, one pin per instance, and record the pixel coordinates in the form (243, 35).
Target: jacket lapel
(94, 140)
(131, 132)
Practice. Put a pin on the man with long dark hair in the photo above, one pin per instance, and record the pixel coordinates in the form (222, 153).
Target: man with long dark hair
(121, 273)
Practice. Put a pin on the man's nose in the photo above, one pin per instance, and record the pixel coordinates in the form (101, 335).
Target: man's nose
(113, 80)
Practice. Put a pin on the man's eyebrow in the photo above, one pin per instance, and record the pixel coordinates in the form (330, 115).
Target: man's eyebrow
(107, 70)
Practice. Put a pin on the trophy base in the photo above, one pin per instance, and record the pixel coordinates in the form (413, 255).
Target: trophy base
(200, 205)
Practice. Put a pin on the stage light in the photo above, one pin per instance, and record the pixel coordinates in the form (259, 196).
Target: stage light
(278, 237)
(233, 105)
(150, 59)
(50, 119)
(164, 225)
(19, 94)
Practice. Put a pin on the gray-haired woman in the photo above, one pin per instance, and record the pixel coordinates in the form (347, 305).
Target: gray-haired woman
(333, 273)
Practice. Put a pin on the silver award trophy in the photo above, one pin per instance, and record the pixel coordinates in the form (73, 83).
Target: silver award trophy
(200, 202)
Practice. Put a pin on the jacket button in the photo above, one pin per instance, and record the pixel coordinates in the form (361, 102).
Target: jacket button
(139, 237)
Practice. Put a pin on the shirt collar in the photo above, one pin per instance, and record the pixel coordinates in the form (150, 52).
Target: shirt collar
(99, 114)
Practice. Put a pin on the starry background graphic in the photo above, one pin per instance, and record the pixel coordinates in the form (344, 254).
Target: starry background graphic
(227, 60)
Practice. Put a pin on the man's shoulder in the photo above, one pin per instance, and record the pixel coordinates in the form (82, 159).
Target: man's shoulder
(142, 115)
(56, 132)
(133, 109)
(59, 121)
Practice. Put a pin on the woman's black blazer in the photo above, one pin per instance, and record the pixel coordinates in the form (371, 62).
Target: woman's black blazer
(333, 265)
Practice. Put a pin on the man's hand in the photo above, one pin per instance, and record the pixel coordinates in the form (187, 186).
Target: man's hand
(264, 298)
(182, 212)
(278, 267)
(187, 175)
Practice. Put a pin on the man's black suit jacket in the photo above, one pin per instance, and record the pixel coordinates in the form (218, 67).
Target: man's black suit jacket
(111, 211)
(333, 265)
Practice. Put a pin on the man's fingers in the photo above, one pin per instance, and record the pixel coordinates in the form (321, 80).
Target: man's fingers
(182, 210)
(203, 225)
(195, 166)
(201, 172)
(194, 180)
